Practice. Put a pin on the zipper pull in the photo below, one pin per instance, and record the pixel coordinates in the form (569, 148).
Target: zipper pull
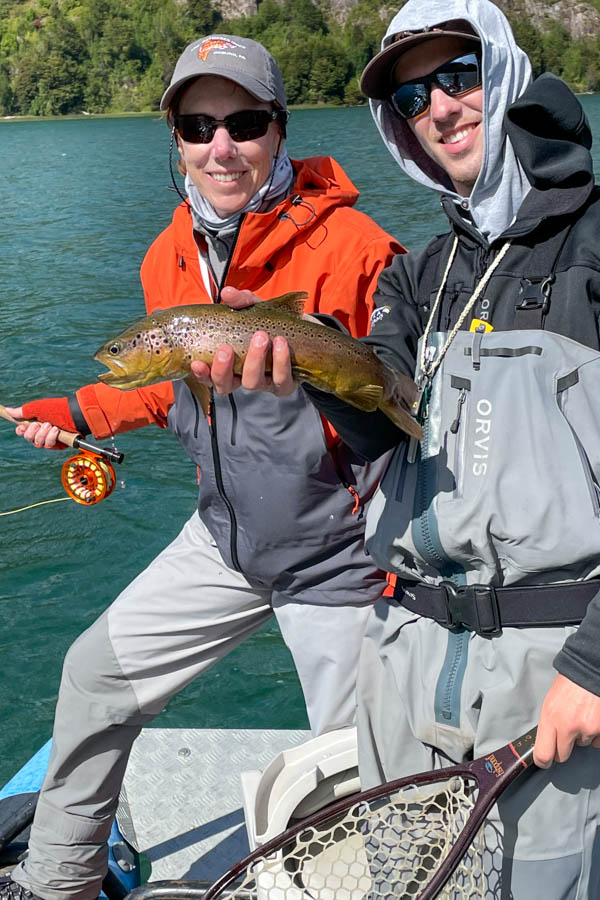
(419, 412)
(461, 399)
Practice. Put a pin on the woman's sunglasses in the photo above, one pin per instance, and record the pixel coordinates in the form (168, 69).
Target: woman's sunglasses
(456, 77)
(246, 125)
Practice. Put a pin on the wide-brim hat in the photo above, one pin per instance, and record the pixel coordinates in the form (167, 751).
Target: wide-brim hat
(376, 80)
(242, 60)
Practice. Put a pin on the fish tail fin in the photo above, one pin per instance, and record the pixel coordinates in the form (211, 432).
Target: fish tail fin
(397, 402)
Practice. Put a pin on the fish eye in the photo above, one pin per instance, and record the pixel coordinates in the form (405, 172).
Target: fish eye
(114, 349)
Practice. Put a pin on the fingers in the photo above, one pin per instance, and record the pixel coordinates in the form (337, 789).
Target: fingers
(544, 751)
(15, 411)
(263, 356)
(222, 376)
(283, 381)
(267, 367)
(253, 373)
(238, 299)
(201, 371)
(40, 434)
(570, 716)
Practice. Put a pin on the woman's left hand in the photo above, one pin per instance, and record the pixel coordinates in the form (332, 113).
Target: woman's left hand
(254, 378)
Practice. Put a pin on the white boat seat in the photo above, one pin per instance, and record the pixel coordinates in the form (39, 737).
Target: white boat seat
(298, 782)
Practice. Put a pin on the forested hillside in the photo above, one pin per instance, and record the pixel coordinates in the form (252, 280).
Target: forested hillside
(66, 56)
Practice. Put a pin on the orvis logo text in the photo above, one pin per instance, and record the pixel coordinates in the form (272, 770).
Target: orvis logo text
(481, 444)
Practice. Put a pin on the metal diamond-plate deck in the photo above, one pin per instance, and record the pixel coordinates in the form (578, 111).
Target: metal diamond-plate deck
(182, 796)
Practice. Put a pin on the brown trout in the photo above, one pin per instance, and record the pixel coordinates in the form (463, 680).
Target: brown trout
(162, 346)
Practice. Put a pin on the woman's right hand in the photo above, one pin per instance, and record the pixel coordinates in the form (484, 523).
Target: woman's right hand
(40, 434)
(221, 375)
(254, 378)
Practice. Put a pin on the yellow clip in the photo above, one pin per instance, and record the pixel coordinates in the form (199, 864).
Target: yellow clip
(480, 325)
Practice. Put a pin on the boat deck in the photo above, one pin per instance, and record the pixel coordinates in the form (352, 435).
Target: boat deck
(181, 804)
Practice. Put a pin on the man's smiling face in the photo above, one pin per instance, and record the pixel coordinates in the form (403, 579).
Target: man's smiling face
(450, 131)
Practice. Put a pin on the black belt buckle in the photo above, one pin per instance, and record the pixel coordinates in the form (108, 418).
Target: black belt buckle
(472, 606)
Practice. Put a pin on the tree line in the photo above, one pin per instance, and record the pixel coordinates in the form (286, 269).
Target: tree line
(109, 56)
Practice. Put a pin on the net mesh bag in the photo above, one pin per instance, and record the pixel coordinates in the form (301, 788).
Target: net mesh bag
(390, 846)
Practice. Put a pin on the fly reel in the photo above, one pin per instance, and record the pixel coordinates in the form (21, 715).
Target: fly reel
(88, 478)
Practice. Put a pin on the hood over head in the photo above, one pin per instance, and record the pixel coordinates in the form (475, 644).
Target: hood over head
(506, 73)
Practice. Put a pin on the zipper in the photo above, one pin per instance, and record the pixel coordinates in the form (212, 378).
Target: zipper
(427, 543)
(212, 425)
(461, 399)
(359, 506)
(234, 418)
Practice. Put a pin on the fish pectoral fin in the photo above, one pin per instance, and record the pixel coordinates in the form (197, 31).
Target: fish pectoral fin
(397, 404)
(366, 398)
(292, 303)
(200, 391)
(402, 419)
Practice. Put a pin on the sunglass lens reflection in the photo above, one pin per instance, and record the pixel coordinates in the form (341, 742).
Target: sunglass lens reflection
(247, 125)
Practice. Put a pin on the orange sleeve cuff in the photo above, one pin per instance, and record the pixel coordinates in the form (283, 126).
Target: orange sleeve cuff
(52, 409)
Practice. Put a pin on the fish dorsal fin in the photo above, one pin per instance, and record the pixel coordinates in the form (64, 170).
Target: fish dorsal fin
(292, 303)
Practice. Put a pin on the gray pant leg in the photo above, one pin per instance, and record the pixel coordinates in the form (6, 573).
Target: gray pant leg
(182, 614)
(325, 643)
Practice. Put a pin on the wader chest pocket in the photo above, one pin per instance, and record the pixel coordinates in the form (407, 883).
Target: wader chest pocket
(461, 390)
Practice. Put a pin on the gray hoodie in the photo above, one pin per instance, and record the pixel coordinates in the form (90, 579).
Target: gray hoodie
(502, 184)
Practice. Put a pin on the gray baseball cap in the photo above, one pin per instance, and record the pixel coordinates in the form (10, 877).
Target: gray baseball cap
(242, 60)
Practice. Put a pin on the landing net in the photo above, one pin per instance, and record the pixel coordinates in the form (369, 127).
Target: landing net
(390, 846)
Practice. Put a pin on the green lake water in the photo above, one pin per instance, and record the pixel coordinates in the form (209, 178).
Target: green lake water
(81, 200)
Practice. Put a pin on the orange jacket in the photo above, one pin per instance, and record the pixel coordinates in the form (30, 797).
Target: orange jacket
(313, 241)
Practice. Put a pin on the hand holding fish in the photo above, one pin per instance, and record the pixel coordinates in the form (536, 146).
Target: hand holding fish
(267, 367)
(256, 374)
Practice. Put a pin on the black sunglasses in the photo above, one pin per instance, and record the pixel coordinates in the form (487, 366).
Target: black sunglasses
(456, 77)
(246, 125)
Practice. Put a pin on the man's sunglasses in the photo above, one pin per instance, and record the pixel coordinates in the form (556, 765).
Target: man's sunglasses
(456, 77)
(246, 125)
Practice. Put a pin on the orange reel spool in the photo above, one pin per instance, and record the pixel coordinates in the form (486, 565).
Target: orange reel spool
(88, 478)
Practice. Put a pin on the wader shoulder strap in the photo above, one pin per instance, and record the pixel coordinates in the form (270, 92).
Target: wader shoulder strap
(534, 297)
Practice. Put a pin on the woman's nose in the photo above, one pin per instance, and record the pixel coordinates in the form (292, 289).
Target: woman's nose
(223, 143)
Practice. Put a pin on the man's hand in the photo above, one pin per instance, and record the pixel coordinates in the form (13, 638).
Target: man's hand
(570, 715)
(40, 434)
(221, 375)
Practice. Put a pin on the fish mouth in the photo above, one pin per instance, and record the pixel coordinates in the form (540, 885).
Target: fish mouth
(117, 376)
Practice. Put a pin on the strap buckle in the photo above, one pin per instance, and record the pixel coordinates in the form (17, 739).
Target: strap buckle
(472, 606)
(535, 293)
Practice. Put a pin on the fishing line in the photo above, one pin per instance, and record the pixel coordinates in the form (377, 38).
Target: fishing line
(11, 512)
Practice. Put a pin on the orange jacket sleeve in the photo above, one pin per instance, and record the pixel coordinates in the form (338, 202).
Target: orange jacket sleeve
(110, 411)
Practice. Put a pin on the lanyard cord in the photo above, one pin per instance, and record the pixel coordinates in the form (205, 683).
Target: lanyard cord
(428, 366)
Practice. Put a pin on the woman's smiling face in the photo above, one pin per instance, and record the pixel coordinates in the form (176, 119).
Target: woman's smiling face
(226, 173)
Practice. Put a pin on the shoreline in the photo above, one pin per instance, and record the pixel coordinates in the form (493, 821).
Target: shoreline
(156, 113)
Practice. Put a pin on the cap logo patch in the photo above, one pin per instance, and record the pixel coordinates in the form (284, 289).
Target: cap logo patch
(211, 44)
